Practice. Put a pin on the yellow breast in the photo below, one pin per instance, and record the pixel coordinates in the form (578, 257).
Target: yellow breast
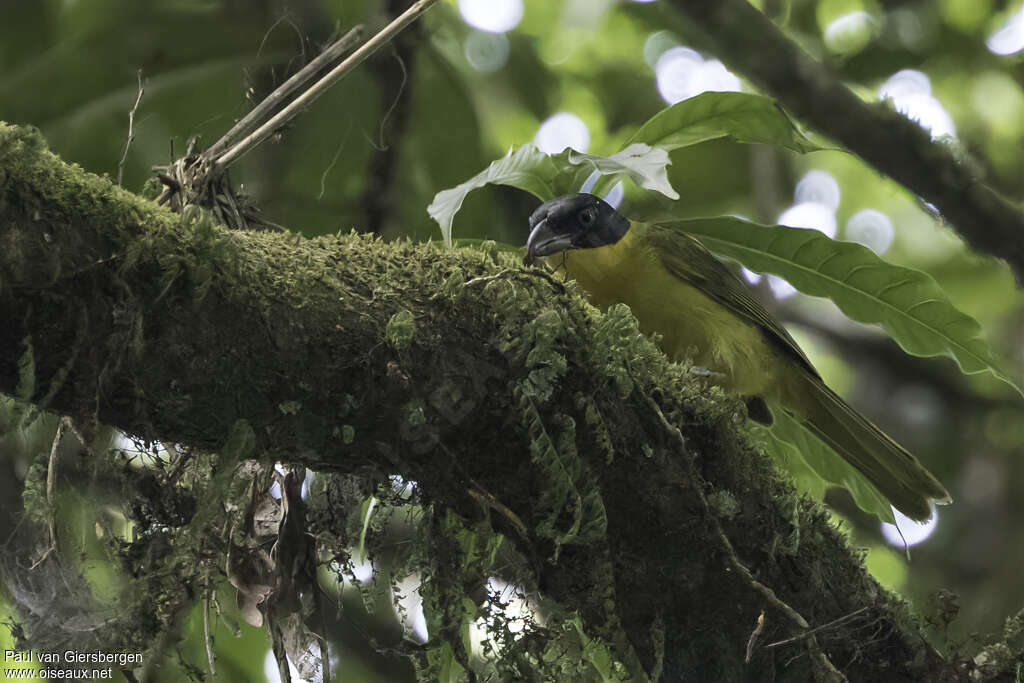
(691, 324)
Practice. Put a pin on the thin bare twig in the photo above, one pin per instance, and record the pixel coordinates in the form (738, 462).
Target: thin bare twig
(320, 87)
(284, 91)
(521, 273)
(488, 500)
(131, 128)
(807, 634)
(334, 160)
(51, 484)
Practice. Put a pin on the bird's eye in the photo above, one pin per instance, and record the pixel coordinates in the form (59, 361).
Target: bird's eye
(588, 216)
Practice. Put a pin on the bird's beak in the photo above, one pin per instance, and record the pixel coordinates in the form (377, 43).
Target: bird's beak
(543, 242)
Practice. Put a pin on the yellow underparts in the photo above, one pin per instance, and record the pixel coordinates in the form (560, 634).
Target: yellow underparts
(691, 324)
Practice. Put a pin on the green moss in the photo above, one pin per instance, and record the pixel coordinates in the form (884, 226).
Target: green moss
(454, 284)
(401, 329)
(348, 434)
(415, 414)
(289, 407)
(26, 388)
(724, 504)
(545, 360)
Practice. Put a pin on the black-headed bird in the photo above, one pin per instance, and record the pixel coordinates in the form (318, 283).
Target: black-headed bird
(677, 289)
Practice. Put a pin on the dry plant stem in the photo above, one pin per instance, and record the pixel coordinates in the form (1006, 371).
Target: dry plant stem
(285, 90)
(51, 482)
(516, 272)
(320, 87)
(131, 129)
(812, 645)
(832, 624)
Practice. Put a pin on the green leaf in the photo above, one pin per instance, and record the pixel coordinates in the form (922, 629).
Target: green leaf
(907, 303)
(810, 459)
(526, 168)
(646, 166)
(547, 177)
(742, 116)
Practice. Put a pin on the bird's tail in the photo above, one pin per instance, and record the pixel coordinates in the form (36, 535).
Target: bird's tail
(897, 474)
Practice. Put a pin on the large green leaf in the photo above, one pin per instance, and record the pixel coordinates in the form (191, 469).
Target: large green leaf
(549, 176)
(907, 303)
(526, 168)
(741, 116)
(799, 451)
(646, 166)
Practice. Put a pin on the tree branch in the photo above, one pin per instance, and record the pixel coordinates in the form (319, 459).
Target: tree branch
(350, 355)
(751, 44)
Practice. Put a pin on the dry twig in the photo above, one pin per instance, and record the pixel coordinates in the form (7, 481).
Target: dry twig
(284, 91)
(131, 129)
(222, 161)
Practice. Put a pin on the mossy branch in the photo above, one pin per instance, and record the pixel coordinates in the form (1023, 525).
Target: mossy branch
(347, 354)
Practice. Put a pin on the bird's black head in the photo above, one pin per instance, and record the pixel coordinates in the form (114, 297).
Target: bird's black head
(577, 221)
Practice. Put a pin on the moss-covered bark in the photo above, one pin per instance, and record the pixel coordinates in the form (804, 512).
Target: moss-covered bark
(510, 401)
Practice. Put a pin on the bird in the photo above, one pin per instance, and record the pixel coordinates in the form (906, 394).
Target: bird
(700, 310)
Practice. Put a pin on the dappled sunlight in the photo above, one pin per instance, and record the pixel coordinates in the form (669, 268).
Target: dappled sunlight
(494, 16)
(850, 33)
(910, 92)
(512, 612)
(819, 187)
(813, 215)
(657, 44)
(908, 532)
(362, 568)
(272, 673)
(410, 605)
(560, 131)
(683, 73)
(872, 228)
(1009, 39)
(780, 288)
(816, 198)
(485, 51)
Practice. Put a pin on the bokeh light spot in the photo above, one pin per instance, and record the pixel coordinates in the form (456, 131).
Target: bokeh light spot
(362, 569)
(872, 228)
(818, 186)
(412, 607)
(560, 131)
(810, 215)
(1009, 39)
(657, 44)
(905, 82)
(494, 16)
(485, 51)
(911, 94)
(850, 33)
(273, 674)
(682, 73)
(780, 288)
(912, 532)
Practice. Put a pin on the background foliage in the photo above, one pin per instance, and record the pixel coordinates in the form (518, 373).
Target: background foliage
(419, 118)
